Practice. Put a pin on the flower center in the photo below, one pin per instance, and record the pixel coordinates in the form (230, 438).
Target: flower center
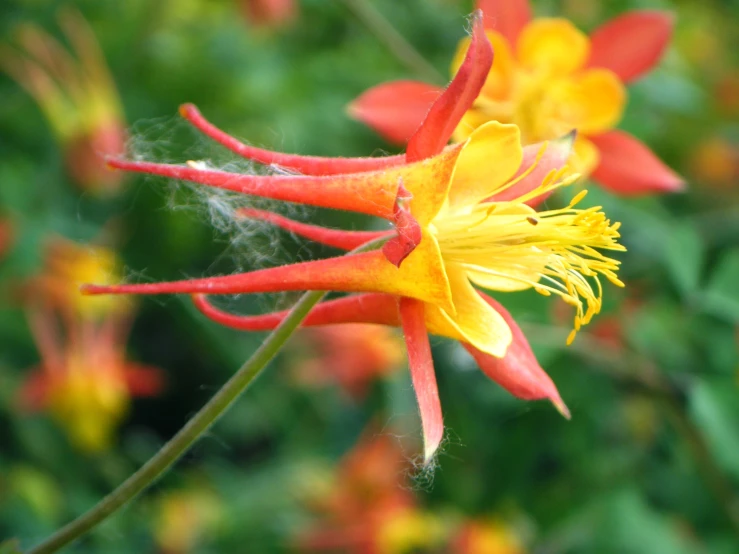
(537, 105)
(509, 246)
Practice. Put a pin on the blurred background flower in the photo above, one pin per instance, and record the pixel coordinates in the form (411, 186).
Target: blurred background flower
(184, 517)
(76, 94)
(351, 356)
(84, 380)
(369, 507)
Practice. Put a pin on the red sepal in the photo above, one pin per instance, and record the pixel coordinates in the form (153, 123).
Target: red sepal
(395, 109)
(350, 273)
(346, 192)
(343, 240)
(628, 167)
(446, 113)
(377, 308)
(422, 373)
(631, 44)
(507, 17)
(307, 165)
(518, 371)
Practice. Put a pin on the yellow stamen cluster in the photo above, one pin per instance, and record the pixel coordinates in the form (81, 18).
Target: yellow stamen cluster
(552, 251)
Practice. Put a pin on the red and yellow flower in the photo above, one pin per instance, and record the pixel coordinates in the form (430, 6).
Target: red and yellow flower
(84, 380)
(549, 78)
(76, 94)
(460, 218)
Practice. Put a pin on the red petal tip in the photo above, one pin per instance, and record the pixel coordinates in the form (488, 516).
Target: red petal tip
(422, 374)
(507, 17)
(631, 44)
(186, 109)
(111, 163)
(561, 407)
(394, 109)
(90, 290)
(447, 111)
(629, 168)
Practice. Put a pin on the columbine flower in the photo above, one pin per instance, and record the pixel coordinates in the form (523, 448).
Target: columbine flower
(77, 96)
(84, 380)
(352, 356)
(548, 78)
(460, 217)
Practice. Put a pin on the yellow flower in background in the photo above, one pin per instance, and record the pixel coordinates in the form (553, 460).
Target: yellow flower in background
(487, 537)
(543, 87)
(76, 94)
(549, 78)
(184, 517)
(66, 266)
(409, 530)
(84, 380)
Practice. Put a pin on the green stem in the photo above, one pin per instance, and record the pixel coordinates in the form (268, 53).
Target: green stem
(193, 429)
(394, 41)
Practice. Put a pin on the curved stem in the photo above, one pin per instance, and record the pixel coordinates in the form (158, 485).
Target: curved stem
(394, 41)
(193, 429)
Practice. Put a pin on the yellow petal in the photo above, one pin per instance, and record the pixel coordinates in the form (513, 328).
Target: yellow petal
(591, 102)
(585, 156)
(429, 182)
(500, 79)
(552, 45)
(471, 120)
(602, 97)
(489, 159)
(475, 322)
(422, 275)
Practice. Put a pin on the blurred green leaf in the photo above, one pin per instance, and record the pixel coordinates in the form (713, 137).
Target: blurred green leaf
(623, 522)
(721, 297)
(684, 257)
(714, 406)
